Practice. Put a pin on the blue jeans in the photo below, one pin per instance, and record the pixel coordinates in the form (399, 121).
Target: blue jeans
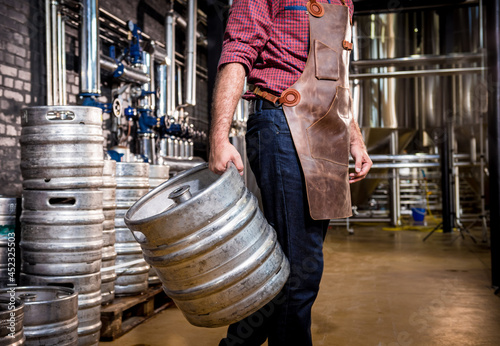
(287, 319)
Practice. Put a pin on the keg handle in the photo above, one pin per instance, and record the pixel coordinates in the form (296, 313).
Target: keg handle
(181, 194)
(28, 297)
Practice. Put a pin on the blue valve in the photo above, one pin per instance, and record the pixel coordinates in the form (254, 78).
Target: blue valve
(135, 48)
(90, 101)
(115, 155)
(130, 113)
(119, 70)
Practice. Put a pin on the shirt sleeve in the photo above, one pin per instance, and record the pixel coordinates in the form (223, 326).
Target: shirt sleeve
(247, 31)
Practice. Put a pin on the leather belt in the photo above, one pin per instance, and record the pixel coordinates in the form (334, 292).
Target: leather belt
(258, 104)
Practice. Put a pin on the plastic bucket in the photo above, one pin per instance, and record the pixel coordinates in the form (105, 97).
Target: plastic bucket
(418, 214)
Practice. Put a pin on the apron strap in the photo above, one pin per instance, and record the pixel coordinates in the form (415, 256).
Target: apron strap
(265, 95)
(290, 97)
(347, 45)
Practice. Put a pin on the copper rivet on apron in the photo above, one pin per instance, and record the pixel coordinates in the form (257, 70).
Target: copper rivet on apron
(315, 9)
(291, 97)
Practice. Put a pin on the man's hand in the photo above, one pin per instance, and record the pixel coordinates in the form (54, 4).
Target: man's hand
(362, 162)
(221, 155)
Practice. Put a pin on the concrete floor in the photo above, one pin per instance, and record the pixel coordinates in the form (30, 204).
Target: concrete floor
(380, 288)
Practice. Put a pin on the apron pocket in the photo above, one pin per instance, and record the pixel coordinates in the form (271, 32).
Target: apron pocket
(326, 61)
(329, 136)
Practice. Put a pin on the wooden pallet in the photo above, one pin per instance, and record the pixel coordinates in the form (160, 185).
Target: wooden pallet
(125, 313)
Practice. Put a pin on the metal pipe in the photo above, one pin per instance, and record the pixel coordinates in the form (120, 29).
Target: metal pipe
(402, 165)
(394, 183)
(403, 157)
(425, 157)
(482, 156)
(493, 37)
(179, 20)
(55, 51)
(371, 7)
(455, 171)
(200, 40)
(130, 74)
(419, 60)
(147, 101)
(152, 80)
(61, 71)
(418, 73)
(48, 53)
(160, 55)
(179, 85)
(415, 157)
(170, 61)
(63, 62)
(360, 219)
(162, 89)
(191, 53)
(90, 73)
(448, 220)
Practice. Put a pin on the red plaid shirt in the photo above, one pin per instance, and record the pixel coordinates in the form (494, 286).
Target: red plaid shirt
(271, 39)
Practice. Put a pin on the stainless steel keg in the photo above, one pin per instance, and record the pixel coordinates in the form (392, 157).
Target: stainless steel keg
(132, 182)
(50, 314)
(132, 273)
(11, 320)
(88, 288)
(158, 174)
(211, 246)
(7, 230)
(61, 147)
(109, 194)
(108, 275)
(61, 232)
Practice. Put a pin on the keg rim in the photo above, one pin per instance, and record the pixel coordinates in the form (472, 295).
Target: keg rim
(4, 299)
(59, 107)
(72, 293)
(129, 216)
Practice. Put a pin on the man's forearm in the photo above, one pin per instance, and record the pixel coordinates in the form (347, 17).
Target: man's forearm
(228, 90)
(356, 136)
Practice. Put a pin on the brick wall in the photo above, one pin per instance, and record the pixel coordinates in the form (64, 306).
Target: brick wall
(22, 69)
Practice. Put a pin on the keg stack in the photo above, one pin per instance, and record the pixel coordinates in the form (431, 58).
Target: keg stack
(50, 314)
(108, 274)
(132, 182)
(62, 218)
(158, 174)
(11, 321)
(7, 228)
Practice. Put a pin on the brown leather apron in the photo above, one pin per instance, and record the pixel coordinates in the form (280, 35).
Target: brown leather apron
(318, 108)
